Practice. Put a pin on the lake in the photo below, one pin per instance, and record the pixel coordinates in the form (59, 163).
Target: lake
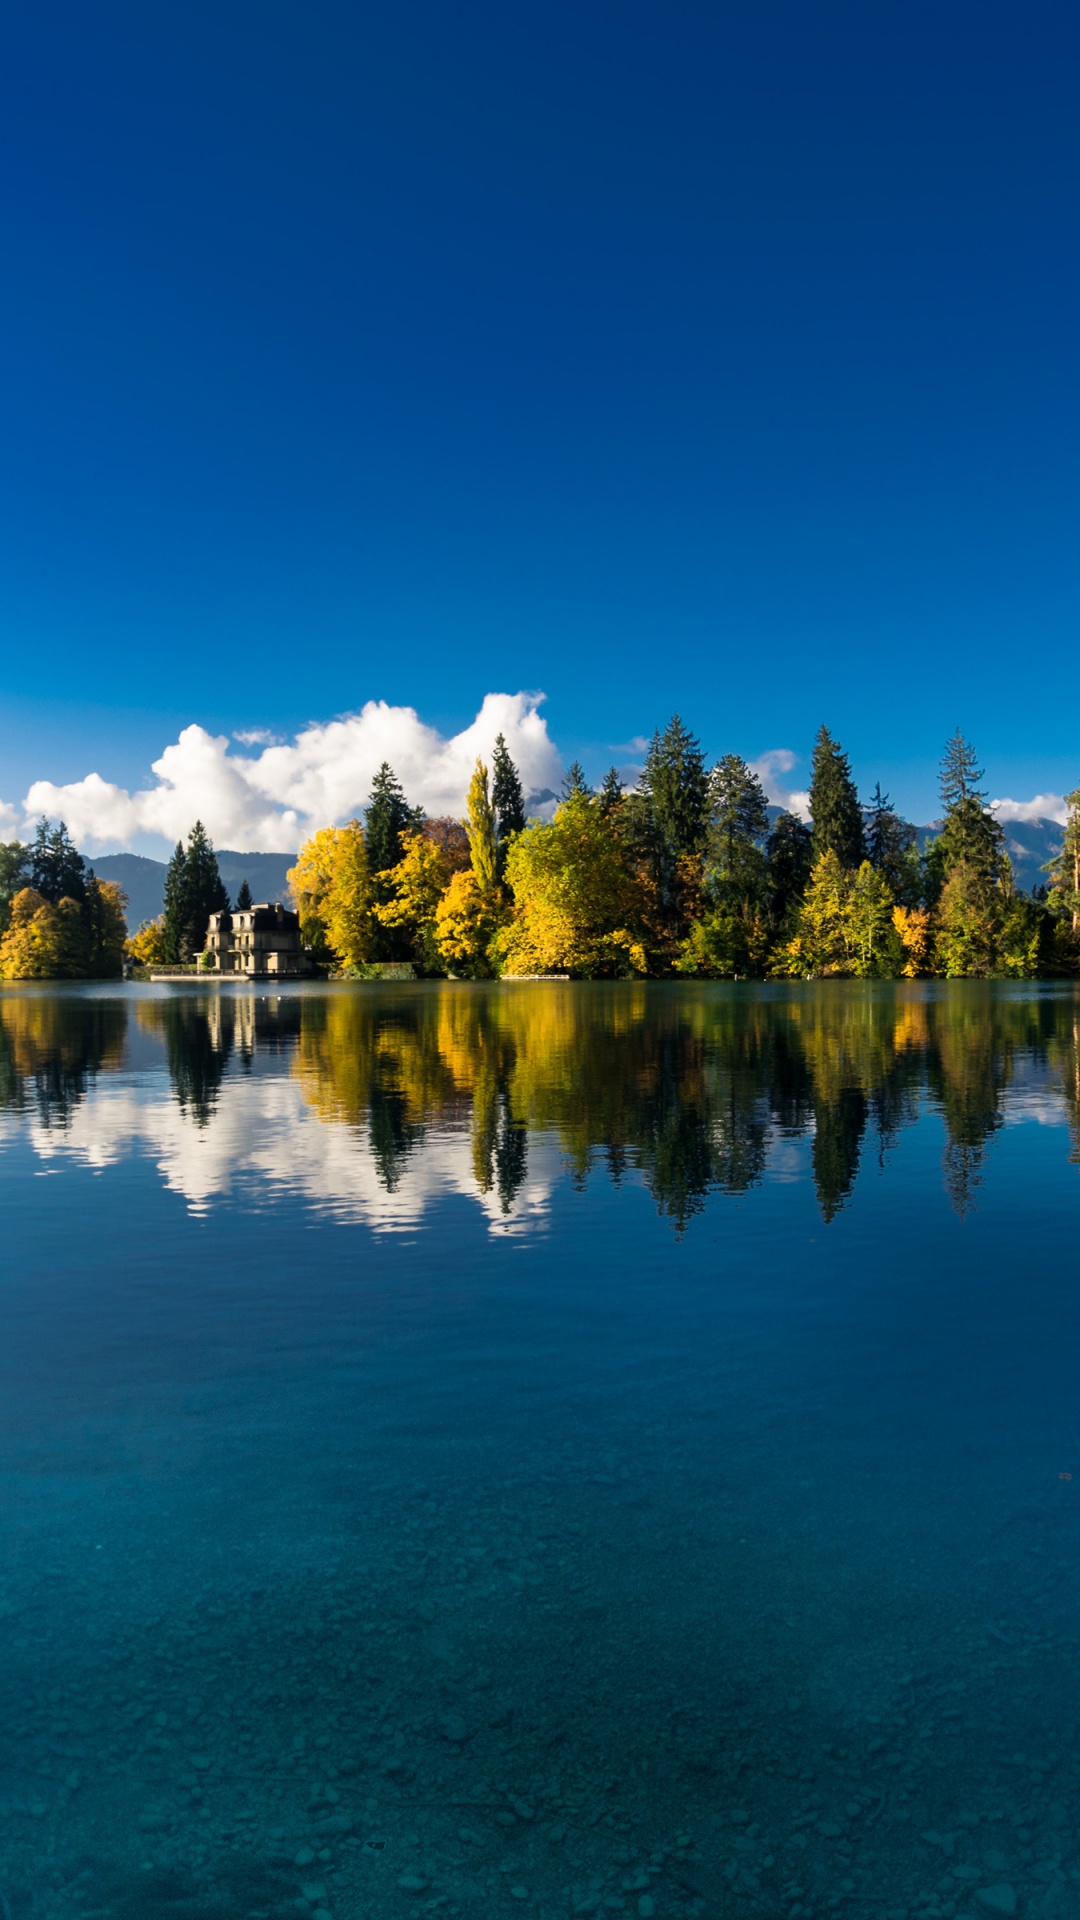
(538, 1448)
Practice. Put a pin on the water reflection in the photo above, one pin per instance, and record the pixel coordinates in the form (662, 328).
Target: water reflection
(371, 1102)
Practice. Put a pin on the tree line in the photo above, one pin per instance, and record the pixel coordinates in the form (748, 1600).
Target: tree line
(690, 1091)
(688, 873)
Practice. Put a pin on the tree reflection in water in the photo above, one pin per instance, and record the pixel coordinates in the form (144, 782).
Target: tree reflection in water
(690, 1088)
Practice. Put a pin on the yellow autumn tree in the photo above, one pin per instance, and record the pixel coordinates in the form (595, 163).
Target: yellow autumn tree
(576, 905)
(480, 827)
(912, 924)
(332, 889)
(43, 941)
(466, 921)
(147, 946)
(416, 886)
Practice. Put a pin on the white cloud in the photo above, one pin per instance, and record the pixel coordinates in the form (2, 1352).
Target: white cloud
(271, 799)
(263, 1135)
(1045, 806)
(257, 737)
(770, 767)
(9, 822)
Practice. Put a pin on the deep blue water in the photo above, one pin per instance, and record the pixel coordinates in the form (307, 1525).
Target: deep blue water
(543, 1449)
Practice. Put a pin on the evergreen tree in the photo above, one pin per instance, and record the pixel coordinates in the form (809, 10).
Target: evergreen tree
(1065, 869)
(834, 804)
(174, 914)
(890, 843)
(13, 867)
(388, 816)
(575, 783)
(104, 929)
(243, 899)
(507, 800)
(788, 852)
(675, 788)
(969, 831)
(740, 823)
(611, 793)
(194, 890)
(57, 869)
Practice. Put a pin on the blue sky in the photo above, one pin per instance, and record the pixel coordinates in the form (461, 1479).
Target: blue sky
(719, 358)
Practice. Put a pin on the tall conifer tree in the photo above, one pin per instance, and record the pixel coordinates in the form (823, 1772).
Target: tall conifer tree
(575, 784)
(788, 852)
(740, 823)
(388, 816)
(611, 792)
(57, 868)
(834, 804)
(889, 844)
(194, 890)
(969, 830)
(675, 787)
(506, 798)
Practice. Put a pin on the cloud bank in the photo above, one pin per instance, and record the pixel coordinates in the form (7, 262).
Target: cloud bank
(1045, 806)
(271, 798)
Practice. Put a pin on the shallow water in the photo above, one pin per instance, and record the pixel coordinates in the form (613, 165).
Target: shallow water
(542, 1449)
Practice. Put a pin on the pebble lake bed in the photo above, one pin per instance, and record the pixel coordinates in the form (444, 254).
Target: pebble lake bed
(562, 1450)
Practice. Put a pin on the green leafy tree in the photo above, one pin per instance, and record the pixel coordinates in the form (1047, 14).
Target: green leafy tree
(194, 890)
(507, 800)
(57, 869)
(874, 946)
(1064, 869)
(574, 898)
(243, 898)
(845, 924)
(834, 804)
(968, 922)
(890, 846)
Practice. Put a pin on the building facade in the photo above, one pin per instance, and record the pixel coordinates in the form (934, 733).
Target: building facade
(262, 942)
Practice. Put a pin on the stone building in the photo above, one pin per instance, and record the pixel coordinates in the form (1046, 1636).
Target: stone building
(263, 941)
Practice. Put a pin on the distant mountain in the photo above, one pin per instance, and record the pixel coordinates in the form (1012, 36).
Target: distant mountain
(144, 880)
(1028, 843)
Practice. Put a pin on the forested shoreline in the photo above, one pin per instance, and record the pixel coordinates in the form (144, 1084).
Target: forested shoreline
(685, 874)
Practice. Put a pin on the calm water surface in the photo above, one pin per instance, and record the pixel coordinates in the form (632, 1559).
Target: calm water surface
(540, 1449)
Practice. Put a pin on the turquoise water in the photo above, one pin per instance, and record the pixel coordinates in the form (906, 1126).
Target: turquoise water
(540, 1449)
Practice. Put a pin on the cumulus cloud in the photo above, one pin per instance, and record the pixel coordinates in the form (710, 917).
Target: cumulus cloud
(1045, 806)
(771, 767)
(272, 798)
